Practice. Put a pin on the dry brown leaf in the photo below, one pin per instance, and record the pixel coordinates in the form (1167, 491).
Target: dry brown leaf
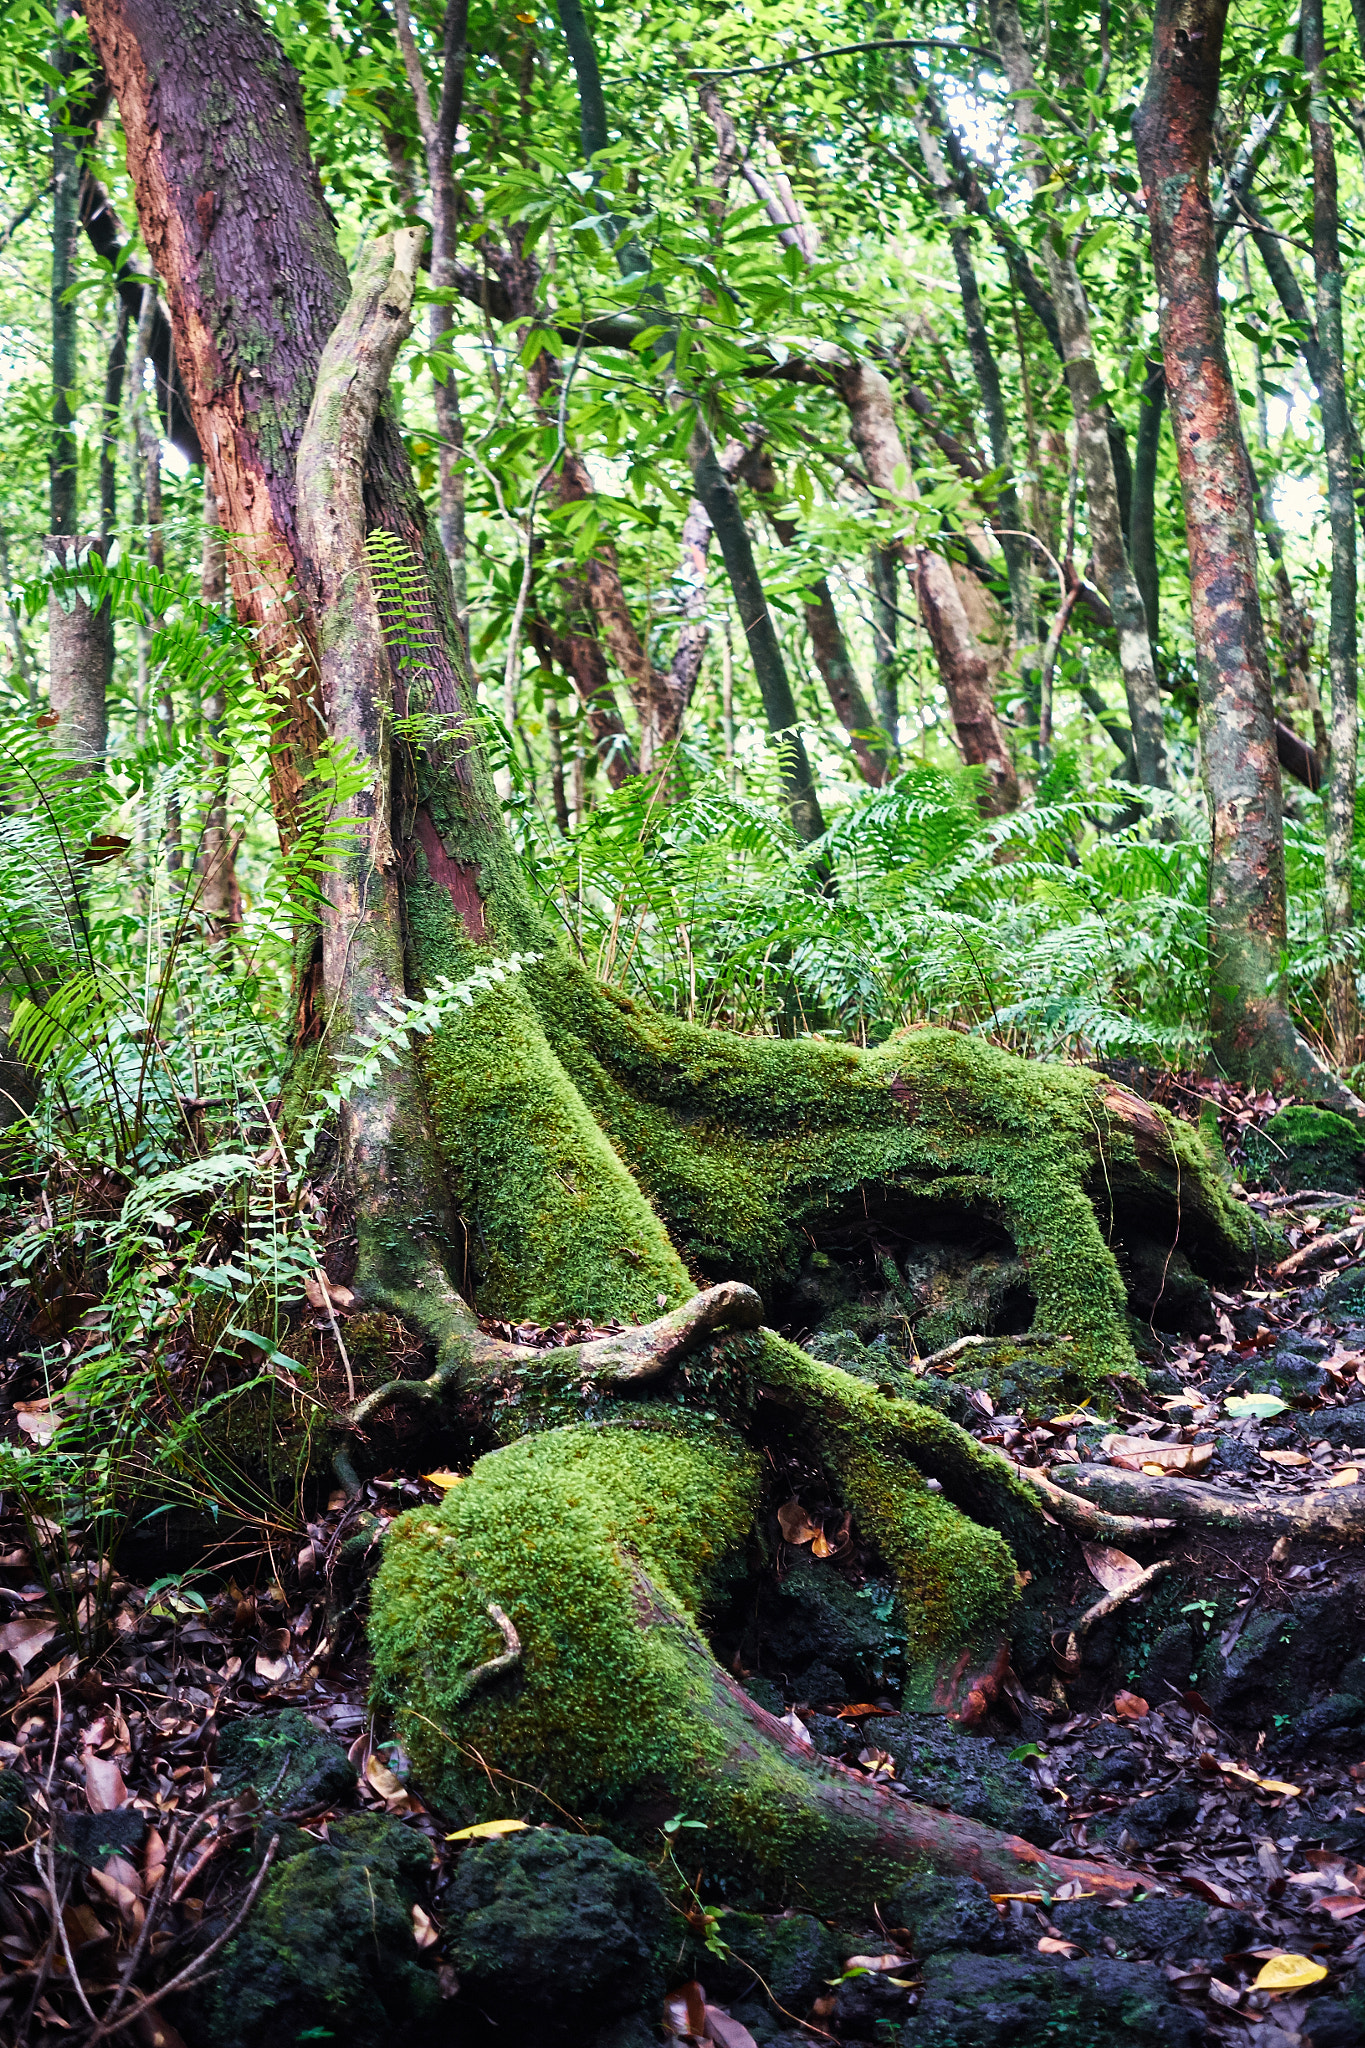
(130, 1907)
(391, 1790)
(425, 1932)
(726, 2031)
(795, 1726)
(1113, 1568)
(272, 1655)
(105, 1790)
(1287, 1457)
(155, 2032)
(38, 1419)
(1136, 1454)
(1349, 1475)
(153, 1860)
(1050, 1945)
(685, 2011)
(1129, 1707)
(892, 1960)
(1341, 1906)
(796, 1525)
(1224, 1994)
(879, 1763)
(25, 1636)
(820, 1547)
(341, 1298)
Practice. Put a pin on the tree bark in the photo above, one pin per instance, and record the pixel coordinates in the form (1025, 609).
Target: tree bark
(881, 576)
(62, 470)
(1253, 1034)
(218, 898)
(1142, 517)
(80, 653)
(1342, 1005)
(1105, 500)
(962, 666)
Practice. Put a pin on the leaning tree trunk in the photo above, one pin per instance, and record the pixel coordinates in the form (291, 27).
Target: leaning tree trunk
(508, 1169)
(1253, 1034)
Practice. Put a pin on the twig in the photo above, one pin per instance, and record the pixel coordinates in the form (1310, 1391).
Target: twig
(321, 1278)
(1105, 1607)
(1316, 1250)
(193, 1972)
(484, 1674)
(848, 50)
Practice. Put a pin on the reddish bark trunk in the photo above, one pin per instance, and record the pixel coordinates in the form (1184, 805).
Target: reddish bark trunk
(1252, 1032)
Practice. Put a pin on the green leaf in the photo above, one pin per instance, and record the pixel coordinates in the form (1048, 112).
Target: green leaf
(1262, 1406)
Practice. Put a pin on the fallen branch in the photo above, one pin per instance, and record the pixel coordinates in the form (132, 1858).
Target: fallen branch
(1318, 1251)
(1086, 1519)
(1333, 1512)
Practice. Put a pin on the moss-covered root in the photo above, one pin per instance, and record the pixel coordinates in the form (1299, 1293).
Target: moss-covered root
(601, 1544)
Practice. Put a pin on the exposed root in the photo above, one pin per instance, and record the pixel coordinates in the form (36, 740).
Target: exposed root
(1319, 1251)
(1336, 1513)
(625, 1358)
(944, 1360)
(1086, 1519)
(1070, 1658)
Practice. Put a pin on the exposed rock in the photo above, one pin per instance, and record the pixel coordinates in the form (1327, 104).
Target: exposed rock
(966, 1774)
(328, 1950)
(794, 1954)
(1170, 1664)
(945, 1914)
(973, 2001)
(92, 1838)
(287, 1760)
(554, 1935)
(1282, 1658)
(1306, 1148)
(1153, 1820)
(1167, 1930)
(814, 1618)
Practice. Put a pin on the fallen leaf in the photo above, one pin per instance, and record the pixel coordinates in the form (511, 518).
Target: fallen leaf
(820, 1547)
(1137, 1454)
(131, 1910)
(1349, 1475)
(272, 1655)
(445, 1480)
(1113, 1568)
(1287, 1457)
(726, 2031)
(685, 2011)
(424, 1929)
(391, 1790)
(488, 1830)
(1051, 1946)
(339, 1297)
(794, 1725)
(879, 1763)
(1263, 1784)
(153, 1861)
(26, 1635)
(1224, 1994)
(1129, 1707)
(891, 1961)
(867, 1708)
(796, 1525)
(38, 1419)
(1341, 1906)
(105, 1790)
(1262, 1406)
(1288, 1972)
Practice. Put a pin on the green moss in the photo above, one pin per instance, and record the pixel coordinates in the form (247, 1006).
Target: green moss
(602, 1545)
(1308, 1148)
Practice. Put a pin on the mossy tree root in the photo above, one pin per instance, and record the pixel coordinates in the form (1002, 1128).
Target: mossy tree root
(1336, 1512)
(601, 1545)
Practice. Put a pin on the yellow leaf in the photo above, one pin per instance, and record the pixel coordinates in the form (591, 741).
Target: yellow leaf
(445, 1480)
(1289, 1973)
(1349, 1475)
(1287, 1457)
(487, 1830)
(821, 1546)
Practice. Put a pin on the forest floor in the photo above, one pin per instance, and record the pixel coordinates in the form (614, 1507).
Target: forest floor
(1210, 1735)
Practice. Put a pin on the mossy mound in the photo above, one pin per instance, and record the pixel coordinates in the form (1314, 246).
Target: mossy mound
(787, 1958)
(1307, 1148)
(553, 1936)
(328, 1951)
(287, 1760)
(975, 2001)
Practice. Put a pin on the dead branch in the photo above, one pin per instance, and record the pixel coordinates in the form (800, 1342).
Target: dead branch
(1318, 1251)
(1070, 1658)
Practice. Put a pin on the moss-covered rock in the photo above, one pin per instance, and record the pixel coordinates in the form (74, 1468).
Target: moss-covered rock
(943, 1915)
(328, 1952)
(287, 1760)
(975, 2001)
(1167, 1930)
(554, 1935)
(967, 1774)
(1307, 1148)
(814, 1618)
(787, 1958)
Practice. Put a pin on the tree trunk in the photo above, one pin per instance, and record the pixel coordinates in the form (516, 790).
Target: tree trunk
(962, 666)
(1253, 1034)
(1342, 1006)
(1105, 500)
(882, 581)
(507, 1167)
